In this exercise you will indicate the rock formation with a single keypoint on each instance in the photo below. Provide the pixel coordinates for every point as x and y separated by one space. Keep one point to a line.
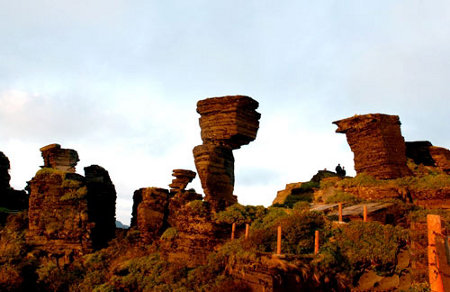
377 144
419 151
152 211
4 173
182 178
441 156
10 198
226 123
57 158
70 215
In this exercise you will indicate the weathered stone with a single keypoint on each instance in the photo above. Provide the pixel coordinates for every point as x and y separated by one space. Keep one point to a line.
226 123
70 215
441 156
230 120
215 167
182 178
419 151
58 213
284 194
322 174
152 212
4 172
377 144
58 158
101 198
10 198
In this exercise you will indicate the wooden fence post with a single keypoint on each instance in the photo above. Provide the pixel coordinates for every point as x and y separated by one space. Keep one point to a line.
246 231
434 229
316 242
233 228
340 212
365 213
279 240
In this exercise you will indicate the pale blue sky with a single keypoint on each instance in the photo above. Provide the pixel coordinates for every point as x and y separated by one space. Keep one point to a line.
119 80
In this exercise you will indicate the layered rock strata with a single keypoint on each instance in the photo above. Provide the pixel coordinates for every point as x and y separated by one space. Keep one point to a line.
182 178
152 212
226 123
69 214
377 144
58 158
441 156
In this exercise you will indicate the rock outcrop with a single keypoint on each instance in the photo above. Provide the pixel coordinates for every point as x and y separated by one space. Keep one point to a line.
58 158
226 123
69 214
152 212
10 198
377 144
419 151
182 178
441 156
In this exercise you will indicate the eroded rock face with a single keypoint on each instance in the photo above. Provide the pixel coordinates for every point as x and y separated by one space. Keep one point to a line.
231 121
152 212
441 156
69 214
10 198
58 158
4 172
101 197
377 144
182 178
215 167
419 151
226 123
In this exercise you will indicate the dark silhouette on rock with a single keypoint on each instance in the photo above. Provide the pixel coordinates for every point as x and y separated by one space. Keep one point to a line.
10 198
419 151
226 123
377 144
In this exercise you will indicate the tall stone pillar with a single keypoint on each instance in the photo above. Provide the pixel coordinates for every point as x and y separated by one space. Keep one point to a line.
226 124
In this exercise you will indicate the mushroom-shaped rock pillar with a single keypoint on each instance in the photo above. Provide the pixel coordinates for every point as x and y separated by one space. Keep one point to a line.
226 124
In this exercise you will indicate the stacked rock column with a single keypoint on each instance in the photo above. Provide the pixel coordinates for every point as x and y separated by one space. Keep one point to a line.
226 124
377 144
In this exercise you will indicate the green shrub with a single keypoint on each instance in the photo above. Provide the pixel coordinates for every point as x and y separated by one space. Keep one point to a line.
198 208
368 245
240 214
169 234
343 197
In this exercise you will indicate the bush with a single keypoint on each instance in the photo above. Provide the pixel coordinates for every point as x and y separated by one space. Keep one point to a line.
169 234
240 214
368 245
343 197
198 208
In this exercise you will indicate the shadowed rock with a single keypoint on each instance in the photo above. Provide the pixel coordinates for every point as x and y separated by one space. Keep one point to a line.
419 151
10 198
377 144
70 215
441 156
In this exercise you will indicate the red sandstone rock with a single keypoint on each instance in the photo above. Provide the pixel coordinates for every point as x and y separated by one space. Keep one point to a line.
441 156
215 167
69 214
377 144
226 123
152 213
230 120
182 178
62 159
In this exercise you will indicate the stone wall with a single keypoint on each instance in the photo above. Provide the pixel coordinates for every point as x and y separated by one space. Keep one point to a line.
377 143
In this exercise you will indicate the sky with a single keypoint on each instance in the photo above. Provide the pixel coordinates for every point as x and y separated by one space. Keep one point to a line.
118 81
